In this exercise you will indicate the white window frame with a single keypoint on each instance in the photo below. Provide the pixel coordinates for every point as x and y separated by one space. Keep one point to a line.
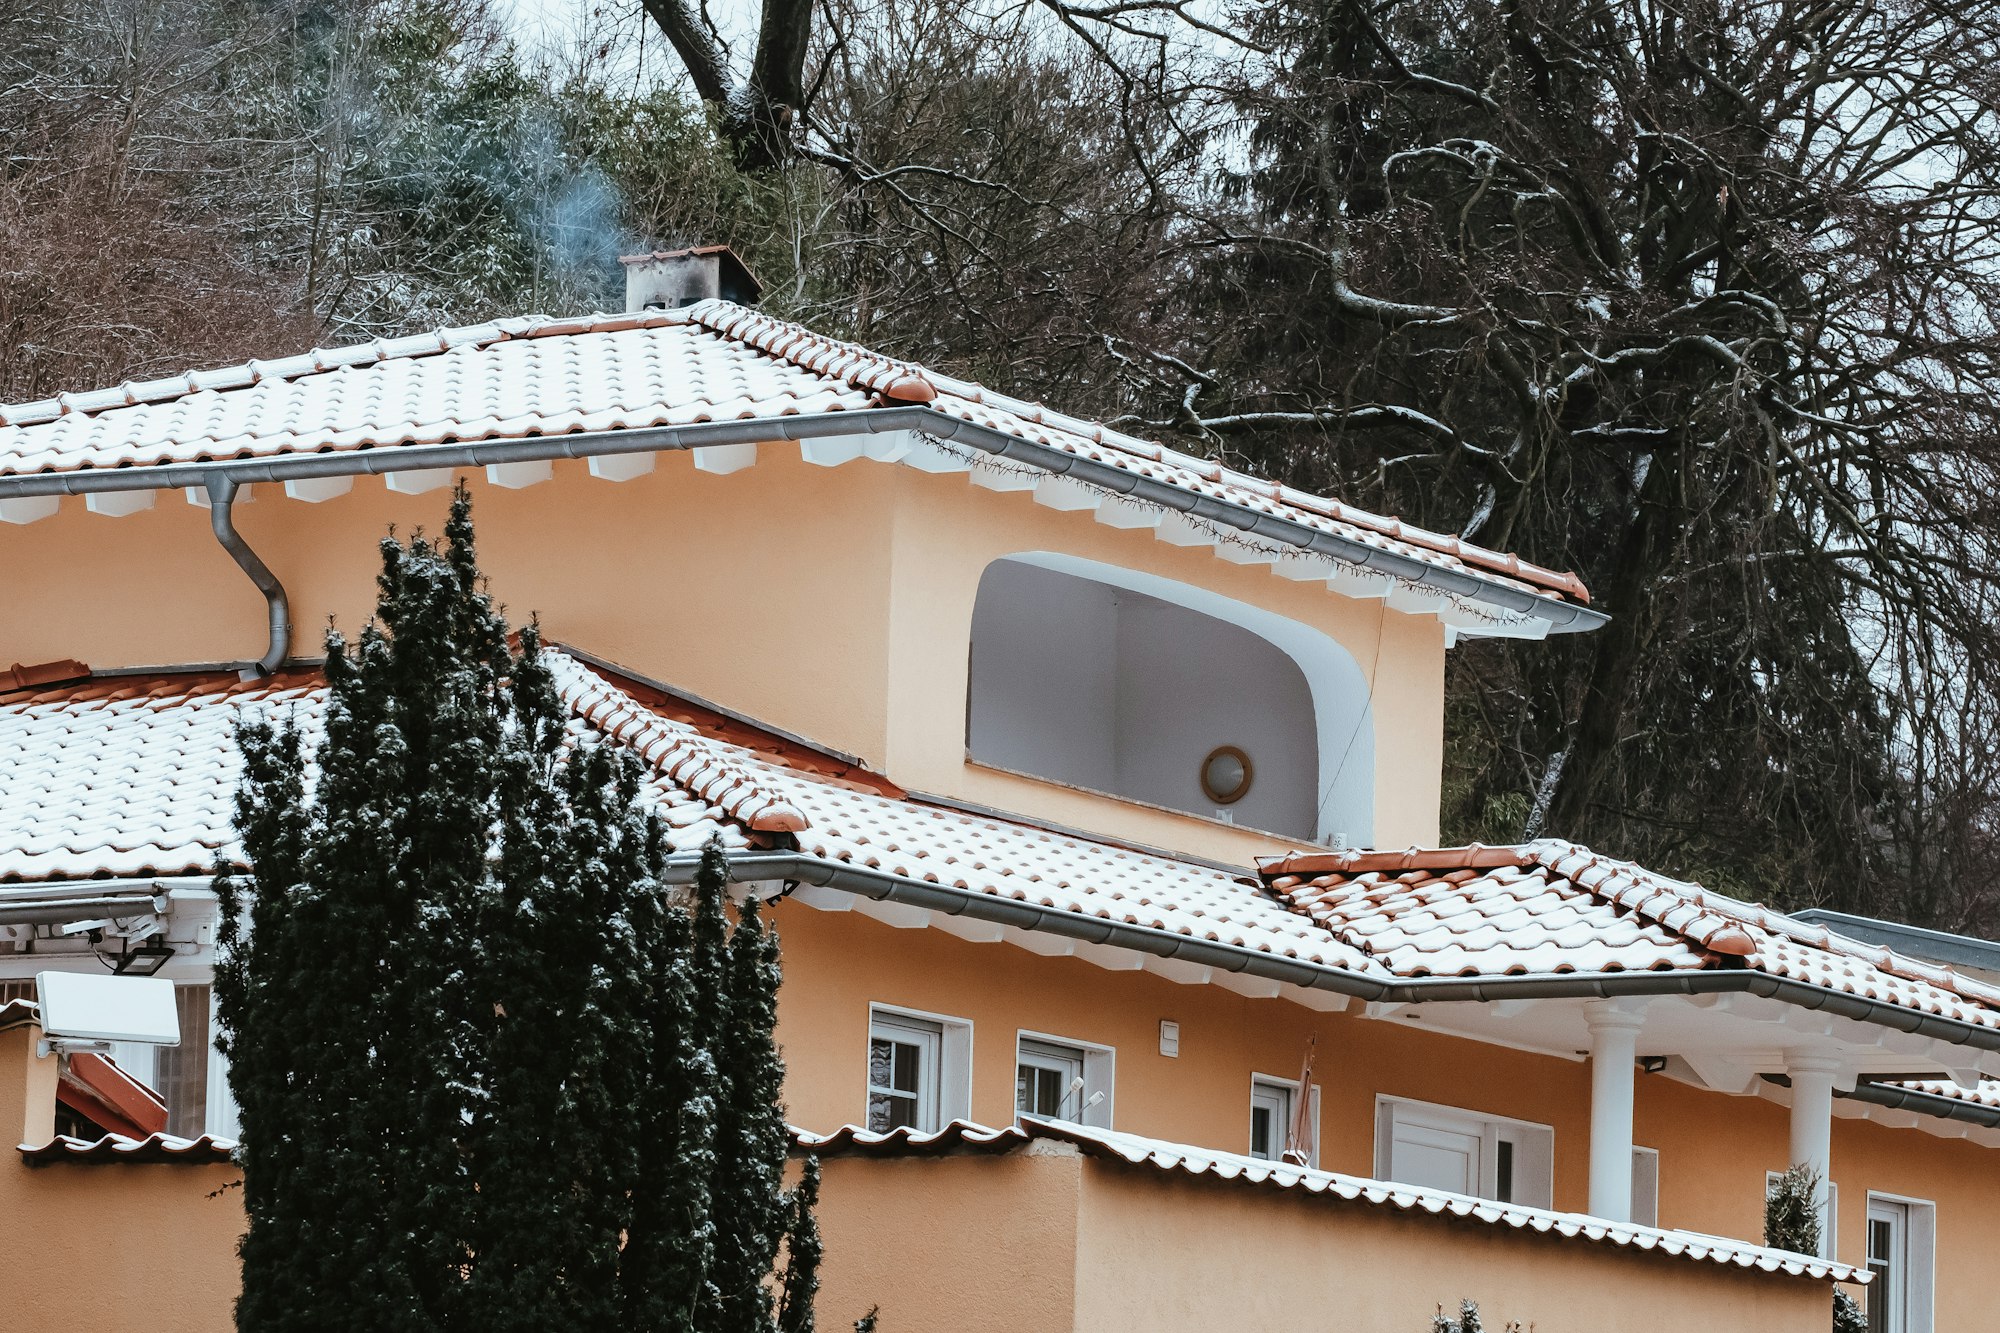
1915 1226
1645 1187
1829 1225
1095 1063
1531 1145
944 1091
1262 1088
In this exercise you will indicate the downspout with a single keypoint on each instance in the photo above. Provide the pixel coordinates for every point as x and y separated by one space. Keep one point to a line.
221 517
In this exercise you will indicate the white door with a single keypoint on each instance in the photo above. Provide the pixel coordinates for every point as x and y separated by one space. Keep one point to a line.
1889 1261
1435 1156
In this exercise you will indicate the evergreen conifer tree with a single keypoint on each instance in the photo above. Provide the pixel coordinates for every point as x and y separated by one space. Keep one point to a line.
803 1251
491 1077
751 1139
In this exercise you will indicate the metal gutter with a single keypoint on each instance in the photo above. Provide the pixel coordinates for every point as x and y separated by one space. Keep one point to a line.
1924 1103
1563 616
81 900
1935 946
93 888
884 887
221 488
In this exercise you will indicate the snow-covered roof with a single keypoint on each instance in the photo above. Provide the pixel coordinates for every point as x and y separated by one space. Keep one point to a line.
1552 908
575 380
207 1150
134 776
1985 1095
963 1136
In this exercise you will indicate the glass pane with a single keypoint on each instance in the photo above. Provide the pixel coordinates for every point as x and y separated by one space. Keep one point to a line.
881 1056
1878 1298
1503 1172
180 1073
886 1111
1039 1091
1261 1136
906 1068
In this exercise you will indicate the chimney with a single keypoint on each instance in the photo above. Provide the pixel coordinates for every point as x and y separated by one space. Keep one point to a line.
668 279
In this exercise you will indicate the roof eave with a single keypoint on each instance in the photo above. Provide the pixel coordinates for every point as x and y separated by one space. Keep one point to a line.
1563 616
883 886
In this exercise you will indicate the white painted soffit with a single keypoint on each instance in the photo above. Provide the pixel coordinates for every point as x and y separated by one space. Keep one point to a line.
416 468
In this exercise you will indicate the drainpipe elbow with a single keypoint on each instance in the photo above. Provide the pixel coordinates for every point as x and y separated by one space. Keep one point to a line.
222 519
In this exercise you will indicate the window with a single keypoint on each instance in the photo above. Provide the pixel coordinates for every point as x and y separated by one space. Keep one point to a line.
917 1070
1273 1103
180 1073
1646 1187
1902 1240
191 1078
1442 1147
1062 1080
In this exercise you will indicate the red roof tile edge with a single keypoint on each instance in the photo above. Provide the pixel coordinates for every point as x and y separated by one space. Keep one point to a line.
964 1137
1711 921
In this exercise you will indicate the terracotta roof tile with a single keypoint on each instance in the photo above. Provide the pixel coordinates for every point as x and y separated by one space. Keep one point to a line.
123 1148
136 776
713 361
1182 1159
1553 907
1987 1094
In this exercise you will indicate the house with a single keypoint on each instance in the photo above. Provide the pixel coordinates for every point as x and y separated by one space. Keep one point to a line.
1095 788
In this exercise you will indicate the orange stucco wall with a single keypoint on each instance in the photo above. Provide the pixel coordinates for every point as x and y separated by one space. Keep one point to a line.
138 1248
1714 1149
833 602
1057 1241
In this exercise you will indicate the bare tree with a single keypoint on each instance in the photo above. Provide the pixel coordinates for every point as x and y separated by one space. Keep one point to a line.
758 105
1698 299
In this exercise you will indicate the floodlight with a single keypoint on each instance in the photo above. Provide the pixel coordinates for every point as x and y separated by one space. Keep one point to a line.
145 960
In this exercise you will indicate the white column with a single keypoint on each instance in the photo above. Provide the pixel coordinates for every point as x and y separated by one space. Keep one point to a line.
1812 1123
1614 1050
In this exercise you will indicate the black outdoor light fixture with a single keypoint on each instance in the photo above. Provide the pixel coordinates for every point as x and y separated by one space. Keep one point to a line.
143 961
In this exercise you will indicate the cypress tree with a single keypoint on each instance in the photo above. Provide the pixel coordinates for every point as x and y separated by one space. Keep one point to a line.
751 1138
491 1077
803 1251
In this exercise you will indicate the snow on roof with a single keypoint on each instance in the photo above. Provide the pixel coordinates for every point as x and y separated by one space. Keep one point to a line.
1160 1155
1552 907
135 776
712 362
1986 1094
207 1150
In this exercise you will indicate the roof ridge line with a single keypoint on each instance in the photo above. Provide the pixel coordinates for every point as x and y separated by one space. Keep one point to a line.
893 380
1749 916
320 360
672 749
911 382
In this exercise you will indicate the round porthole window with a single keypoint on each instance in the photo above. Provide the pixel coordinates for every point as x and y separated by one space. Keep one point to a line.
1226 775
